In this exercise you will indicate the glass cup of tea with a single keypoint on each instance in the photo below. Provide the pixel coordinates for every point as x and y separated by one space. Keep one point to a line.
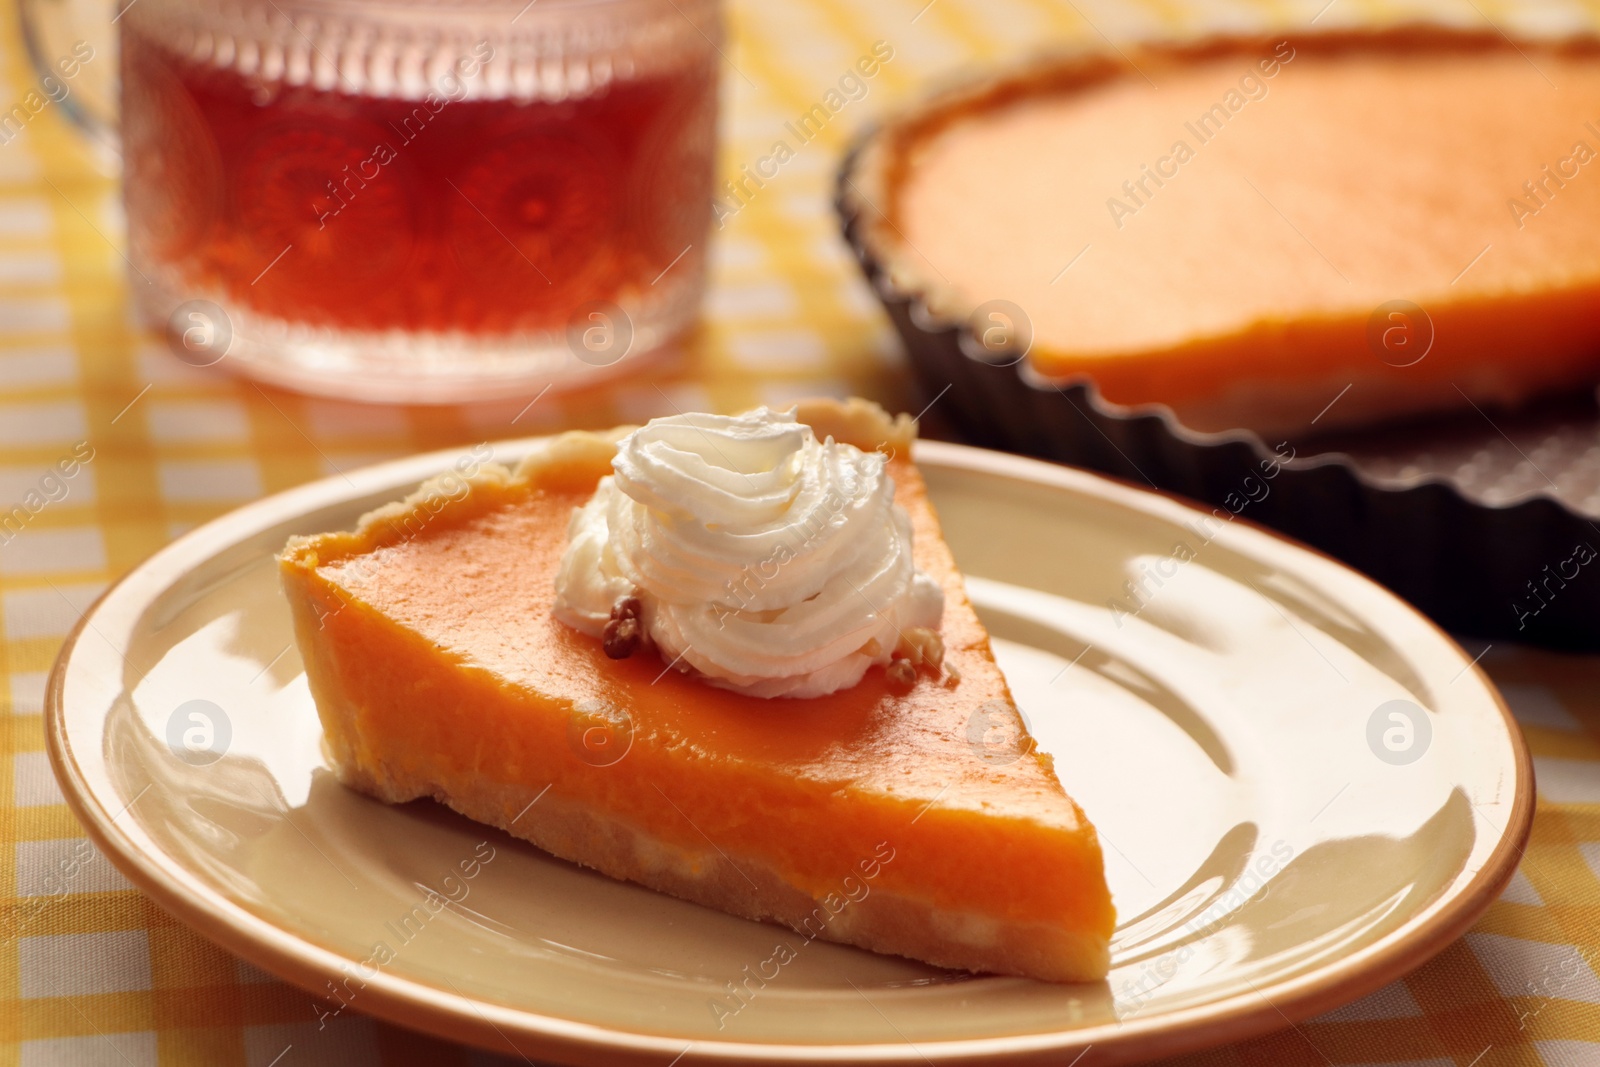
419 200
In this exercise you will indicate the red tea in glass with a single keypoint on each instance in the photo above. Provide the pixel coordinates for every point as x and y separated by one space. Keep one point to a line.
446 206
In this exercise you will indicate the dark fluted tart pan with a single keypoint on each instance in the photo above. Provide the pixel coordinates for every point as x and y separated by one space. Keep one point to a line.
1487 521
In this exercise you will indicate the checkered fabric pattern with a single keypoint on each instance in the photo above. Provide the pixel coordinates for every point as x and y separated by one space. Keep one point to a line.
92 973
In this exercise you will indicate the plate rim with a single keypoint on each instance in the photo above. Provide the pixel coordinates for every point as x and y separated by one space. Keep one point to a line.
414 1004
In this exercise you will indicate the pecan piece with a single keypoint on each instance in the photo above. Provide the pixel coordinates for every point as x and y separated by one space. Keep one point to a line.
902 676
923 647
621 637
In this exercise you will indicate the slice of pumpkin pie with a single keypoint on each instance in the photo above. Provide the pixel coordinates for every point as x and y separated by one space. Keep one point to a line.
732 660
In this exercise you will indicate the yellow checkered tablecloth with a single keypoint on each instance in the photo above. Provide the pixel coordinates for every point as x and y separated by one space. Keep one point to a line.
92 973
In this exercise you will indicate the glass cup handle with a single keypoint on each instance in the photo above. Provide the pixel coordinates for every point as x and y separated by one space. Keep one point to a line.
73 48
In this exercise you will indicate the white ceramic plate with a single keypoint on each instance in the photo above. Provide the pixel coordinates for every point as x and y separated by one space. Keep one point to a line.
1304 790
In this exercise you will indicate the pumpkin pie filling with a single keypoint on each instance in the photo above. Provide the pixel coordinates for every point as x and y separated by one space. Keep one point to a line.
1242 230
922 822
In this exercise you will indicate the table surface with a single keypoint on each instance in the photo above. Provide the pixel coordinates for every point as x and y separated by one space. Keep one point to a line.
99 975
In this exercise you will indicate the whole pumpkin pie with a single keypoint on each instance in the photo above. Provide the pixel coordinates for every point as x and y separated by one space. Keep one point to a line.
730 659
1272 233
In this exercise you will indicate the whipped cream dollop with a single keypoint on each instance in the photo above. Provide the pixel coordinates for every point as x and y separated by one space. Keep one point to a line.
764 559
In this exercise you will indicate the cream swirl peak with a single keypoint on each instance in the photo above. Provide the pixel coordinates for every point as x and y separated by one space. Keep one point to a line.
768 561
